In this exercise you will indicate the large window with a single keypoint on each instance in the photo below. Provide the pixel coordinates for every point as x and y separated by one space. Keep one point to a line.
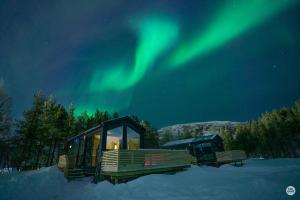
92 147
133 139
80 152
114 138
96 145
88 150
205 148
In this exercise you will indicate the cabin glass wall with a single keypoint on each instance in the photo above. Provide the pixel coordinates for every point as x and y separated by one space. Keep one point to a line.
133 139
114 138
92 146
205 148
219 145
88 150
95 148
80 154
204 152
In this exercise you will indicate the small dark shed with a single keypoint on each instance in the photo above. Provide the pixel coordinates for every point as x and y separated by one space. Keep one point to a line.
202 147
120 133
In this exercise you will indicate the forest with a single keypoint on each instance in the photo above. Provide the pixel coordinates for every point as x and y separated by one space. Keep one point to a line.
37 139
275 134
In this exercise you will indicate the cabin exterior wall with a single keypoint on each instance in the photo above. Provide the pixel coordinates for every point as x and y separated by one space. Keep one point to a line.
86 150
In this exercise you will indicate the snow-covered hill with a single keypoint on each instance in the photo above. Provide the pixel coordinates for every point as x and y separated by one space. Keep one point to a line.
200 128
258 179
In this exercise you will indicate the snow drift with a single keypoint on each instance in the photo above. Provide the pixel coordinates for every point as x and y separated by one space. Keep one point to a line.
258 179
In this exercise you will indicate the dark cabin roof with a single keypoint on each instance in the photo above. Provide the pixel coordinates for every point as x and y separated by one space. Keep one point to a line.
202 138
109 123
179 142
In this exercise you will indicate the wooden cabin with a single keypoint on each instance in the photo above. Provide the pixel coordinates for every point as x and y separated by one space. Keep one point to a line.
115 150
202 147
116 134
208 149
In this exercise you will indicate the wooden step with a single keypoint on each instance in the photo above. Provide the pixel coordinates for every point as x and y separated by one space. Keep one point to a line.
75 176
75 173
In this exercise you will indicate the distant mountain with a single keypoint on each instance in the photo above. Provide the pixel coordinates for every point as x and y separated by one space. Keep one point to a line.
199 128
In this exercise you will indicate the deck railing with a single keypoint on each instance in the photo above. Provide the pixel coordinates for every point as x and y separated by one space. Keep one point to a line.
143 159
230 156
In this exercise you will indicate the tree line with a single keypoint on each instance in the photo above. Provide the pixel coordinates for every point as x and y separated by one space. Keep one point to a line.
274 134
38 137
169 136
5 124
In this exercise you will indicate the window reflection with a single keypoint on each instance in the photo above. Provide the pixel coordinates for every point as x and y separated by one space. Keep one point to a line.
80 152
92 147
96 144
133 139
88 157
114 138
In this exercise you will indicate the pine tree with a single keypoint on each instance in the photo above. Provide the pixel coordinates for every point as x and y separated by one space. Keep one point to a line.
71 127
82 122
228 140
167 136
5 106
5 125
31 128
151 138
115 115
186 133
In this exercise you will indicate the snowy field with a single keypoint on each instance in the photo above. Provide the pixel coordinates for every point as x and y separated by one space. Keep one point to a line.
258 179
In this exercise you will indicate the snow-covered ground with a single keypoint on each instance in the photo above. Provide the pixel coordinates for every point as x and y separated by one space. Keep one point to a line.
258 179
6 170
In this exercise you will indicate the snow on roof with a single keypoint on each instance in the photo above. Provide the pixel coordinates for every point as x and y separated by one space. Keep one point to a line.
205 137
190 140
178 142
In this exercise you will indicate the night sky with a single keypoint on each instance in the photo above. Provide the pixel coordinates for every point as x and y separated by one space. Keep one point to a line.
167 61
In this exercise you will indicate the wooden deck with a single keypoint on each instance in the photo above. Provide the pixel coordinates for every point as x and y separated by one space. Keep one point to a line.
230 156
131 163
126 164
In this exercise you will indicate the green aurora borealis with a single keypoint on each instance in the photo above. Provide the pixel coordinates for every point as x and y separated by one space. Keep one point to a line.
156 35
204 59
234 18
